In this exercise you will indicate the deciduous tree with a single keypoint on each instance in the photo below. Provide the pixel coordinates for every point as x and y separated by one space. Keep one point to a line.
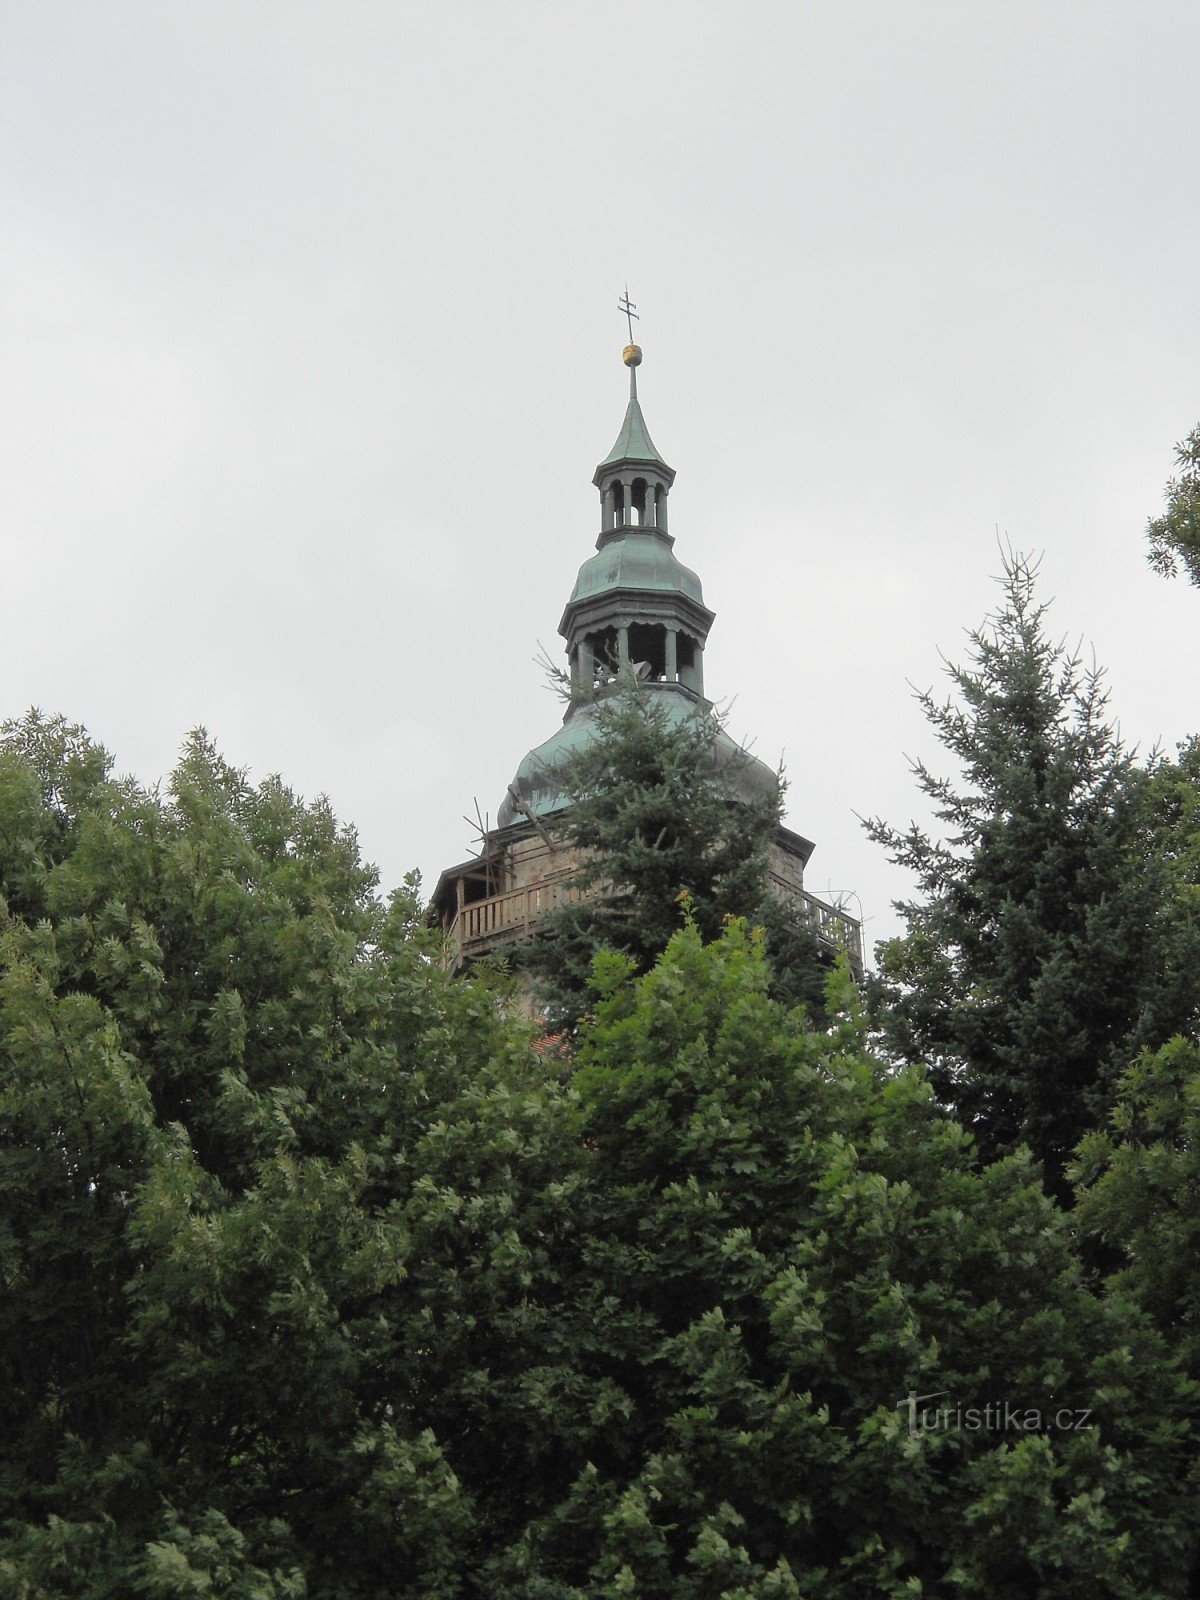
220 1056
1175 535
779 1241
1140 1189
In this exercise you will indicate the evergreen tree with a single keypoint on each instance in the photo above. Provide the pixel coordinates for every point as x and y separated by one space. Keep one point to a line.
652 815
1175 536
1043 951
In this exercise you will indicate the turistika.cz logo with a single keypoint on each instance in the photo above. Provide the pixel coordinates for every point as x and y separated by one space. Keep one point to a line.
996 1416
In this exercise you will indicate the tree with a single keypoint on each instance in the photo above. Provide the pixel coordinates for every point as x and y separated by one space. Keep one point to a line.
1139 1172
1175 536
220 1054
777 1241
320 1280
651 813
1043 952
1139 1180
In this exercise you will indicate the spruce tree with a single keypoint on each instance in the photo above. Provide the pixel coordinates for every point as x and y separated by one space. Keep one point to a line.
652 816
1041 952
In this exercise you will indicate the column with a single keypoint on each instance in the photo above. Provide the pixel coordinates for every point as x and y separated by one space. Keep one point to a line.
672 665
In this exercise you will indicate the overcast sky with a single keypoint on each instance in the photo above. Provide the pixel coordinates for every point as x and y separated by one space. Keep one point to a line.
310 348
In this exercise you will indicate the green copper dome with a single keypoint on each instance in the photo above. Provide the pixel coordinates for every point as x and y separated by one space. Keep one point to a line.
534 790
635 560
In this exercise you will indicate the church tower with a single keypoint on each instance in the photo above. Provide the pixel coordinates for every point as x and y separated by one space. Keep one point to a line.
635 608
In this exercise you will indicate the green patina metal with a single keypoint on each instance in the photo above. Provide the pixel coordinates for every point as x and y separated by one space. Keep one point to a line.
634 587
634 444
536 782
636 560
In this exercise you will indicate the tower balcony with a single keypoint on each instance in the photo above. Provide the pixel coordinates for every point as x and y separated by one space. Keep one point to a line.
836 930
490 925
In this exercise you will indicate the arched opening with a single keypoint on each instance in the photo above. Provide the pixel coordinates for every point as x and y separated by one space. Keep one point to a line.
648 651
637 496
618 494
603 645
687 661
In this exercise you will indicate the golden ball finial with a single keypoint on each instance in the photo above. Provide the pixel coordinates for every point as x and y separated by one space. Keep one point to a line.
632 355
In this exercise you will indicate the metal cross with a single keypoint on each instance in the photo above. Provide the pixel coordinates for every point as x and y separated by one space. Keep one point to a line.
630 309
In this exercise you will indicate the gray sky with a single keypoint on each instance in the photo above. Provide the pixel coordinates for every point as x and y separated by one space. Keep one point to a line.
310 347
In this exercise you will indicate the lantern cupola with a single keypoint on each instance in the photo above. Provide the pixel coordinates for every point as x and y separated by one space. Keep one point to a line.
633 479
634 604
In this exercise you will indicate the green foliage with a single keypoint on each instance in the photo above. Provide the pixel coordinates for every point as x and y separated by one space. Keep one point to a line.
779 1241
651 811
1175 536
319 1280
220 1058
1140 1190
1046 947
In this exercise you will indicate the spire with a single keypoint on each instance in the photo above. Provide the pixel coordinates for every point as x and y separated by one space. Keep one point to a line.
634 448
633 442
635 606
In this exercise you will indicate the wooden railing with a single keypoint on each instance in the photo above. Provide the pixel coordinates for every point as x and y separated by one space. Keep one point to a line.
832 926
514 914
510 915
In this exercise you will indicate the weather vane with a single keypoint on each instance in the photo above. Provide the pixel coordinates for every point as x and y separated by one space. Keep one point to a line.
630 309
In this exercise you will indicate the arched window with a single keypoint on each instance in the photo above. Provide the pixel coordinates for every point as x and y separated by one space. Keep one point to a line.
648 651
604 648
637 495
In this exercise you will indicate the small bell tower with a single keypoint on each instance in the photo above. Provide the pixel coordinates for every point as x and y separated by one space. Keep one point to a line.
633 479
635 606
